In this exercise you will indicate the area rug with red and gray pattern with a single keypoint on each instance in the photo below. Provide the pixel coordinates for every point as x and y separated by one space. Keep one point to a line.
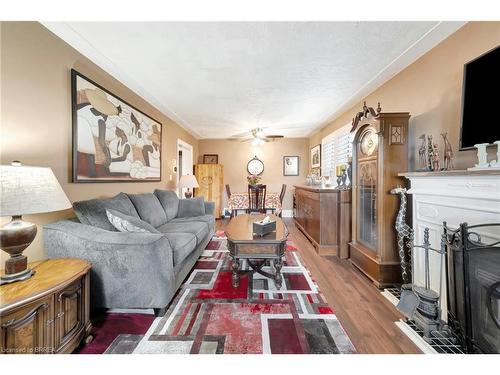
209 316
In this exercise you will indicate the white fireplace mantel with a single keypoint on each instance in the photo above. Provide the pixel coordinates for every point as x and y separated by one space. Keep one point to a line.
453 197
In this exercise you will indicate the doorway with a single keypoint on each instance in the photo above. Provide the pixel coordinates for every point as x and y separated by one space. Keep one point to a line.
184 162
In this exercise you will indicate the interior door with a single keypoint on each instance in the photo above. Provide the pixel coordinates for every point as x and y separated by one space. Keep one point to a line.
184 162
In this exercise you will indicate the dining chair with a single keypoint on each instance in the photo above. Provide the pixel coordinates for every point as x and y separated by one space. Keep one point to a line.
256 199
228 192
282 196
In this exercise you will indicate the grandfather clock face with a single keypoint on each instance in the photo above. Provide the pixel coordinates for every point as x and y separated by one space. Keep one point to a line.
368 143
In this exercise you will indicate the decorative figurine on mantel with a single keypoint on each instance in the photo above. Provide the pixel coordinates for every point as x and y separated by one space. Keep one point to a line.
430 153
435 158
422 163
448 153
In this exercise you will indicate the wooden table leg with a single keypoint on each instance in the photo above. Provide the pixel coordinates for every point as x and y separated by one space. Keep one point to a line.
236 274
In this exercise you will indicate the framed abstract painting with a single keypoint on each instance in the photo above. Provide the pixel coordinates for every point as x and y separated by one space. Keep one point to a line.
112 140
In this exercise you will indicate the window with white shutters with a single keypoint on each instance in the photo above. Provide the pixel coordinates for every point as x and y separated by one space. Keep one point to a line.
336 148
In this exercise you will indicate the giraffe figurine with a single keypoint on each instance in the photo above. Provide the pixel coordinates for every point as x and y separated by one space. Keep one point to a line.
404 231
430 152
448 153
421 154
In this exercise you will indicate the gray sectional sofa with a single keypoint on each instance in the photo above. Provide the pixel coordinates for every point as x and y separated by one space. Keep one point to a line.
141 269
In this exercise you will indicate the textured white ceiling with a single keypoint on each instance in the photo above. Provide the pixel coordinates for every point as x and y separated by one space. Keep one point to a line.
219 79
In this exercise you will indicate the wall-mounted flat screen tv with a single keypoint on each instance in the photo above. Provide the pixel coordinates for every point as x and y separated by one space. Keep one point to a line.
481 100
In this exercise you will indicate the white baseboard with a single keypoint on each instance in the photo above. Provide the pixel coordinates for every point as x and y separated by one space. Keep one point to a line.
390 297
413 336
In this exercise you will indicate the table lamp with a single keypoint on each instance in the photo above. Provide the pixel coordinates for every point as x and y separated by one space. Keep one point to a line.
25 190
188 181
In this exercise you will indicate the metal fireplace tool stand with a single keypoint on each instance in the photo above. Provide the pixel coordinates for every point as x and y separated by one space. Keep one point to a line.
421 303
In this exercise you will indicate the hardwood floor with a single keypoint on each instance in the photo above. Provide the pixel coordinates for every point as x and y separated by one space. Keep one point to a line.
365 314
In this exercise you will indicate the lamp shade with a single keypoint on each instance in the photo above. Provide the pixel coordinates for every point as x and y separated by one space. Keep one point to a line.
30 190
188 181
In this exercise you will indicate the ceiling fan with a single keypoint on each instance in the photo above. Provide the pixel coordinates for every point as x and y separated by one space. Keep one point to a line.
257 136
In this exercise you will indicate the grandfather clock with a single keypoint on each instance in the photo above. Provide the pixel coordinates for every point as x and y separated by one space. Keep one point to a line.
380 152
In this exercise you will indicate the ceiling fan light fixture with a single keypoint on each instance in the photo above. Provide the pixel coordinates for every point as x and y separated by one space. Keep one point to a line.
256 141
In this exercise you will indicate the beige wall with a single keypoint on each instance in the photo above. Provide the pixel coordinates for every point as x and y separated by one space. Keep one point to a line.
431 90
36 112
36 115
234 155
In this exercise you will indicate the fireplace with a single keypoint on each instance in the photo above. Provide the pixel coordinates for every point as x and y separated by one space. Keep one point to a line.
473 285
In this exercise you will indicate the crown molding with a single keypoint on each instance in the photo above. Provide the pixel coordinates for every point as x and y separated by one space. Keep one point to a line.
425 43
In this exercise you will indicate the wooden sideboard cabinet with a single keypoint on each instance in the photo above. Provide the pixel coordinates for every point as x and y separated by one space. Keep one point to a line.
48 313
324 216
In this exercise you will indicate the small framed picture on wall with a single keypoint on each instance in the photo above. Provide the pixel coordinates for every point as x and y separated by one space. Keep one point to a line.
290 165
210 159
315 161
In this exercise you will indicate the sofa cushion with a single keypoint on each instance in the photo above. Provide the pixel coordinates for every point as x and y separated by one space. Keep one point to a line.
209 219
149 208
169 201
127 223
182 245
191 207
198 228
93 211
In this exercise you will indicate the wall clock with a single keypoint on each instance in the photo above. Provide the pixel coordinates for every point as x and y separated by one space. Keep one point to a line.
255 166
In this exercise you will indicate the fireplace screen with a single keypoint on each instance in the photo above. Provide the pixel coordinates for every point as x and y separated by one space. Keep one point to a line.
474 286
484 281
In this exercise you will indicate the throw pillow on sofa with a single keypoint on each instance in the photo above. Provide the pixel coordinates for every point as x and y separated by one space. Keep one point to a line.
126 223
191 207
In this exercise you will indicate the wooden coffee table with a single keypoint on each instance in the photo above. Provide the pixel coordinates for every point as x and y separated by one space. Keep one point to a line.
243 244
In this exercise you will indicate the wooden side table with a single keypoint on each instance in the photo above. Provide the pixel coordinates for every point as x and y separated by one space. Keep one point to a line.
48 313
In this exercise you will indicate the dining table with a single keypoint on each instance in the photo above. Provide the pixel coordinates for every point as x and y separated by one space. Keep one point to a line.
239 201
